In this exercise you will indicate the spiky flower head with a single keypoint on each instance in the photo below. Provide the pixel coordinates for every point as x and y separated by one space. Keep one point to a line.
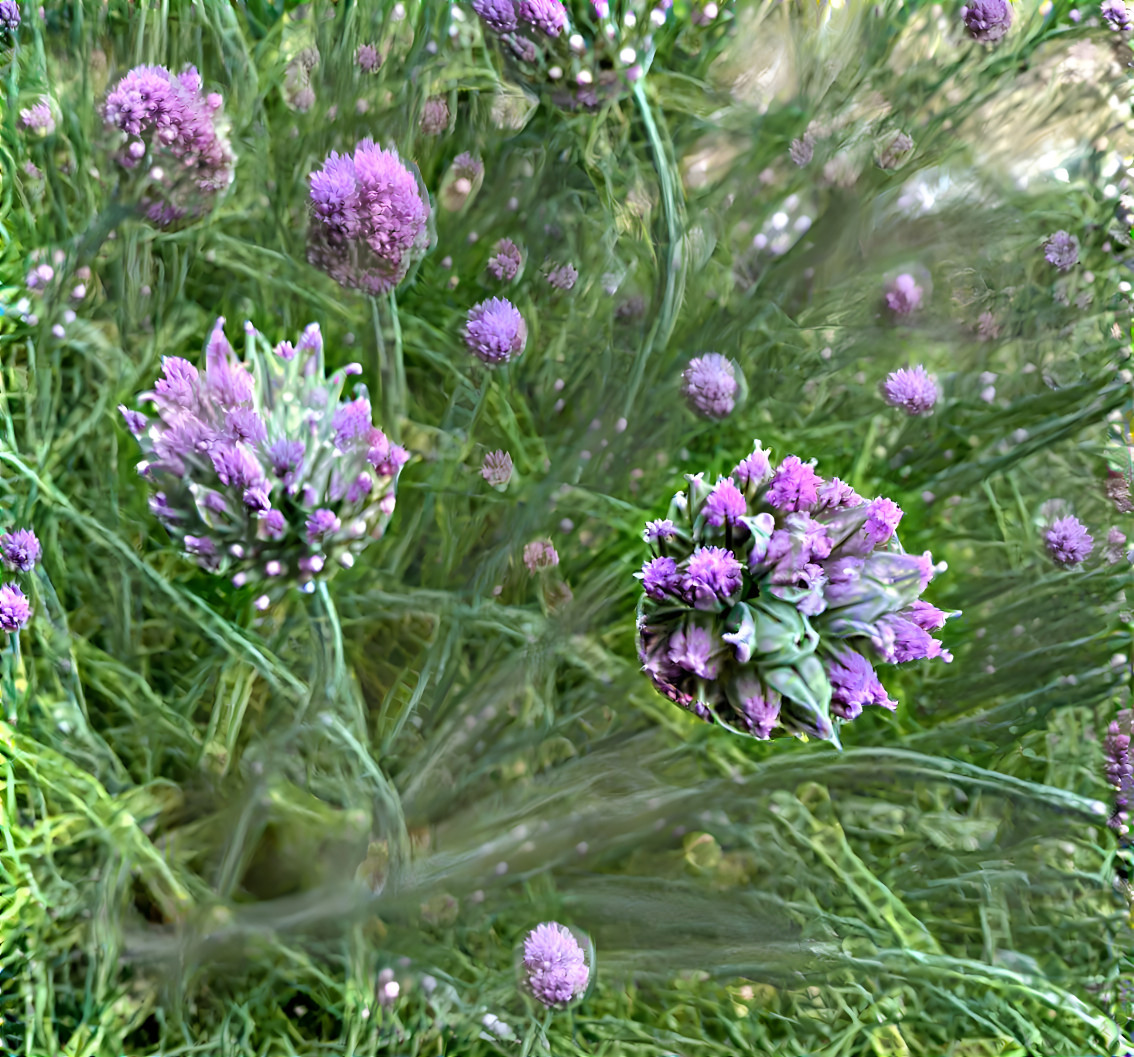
555 968
563 277
367 58
172 141
20 550
546 16
38 118
260 469
1062 250
9 16
370 218
912 389
1116 15
987 20
15 609
497 469
506 260
710 385
903 295
1068 542
497 15
540 555
1118 767
769 601
495 331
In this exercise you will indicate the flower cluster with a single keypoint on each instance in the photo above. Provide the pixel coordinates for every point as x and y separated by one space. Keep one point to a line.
173 137
495 331
38 118
771 593
555 966
506 260
9 15
511 17
370 218
1068 542
1116 15
259 468
903 295
20 552
1062 250
1119 767
710 385
987 21
912 389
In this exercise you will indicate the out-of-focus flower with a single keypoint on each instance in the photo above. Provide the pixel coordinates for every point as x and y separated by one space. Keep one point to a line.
903 295
912 389
548 16
506 260
15 609
38 118
540 555
563 277
1118 767
710 385
1116 15
367 58
1062 250
767 602
555 968
987 327
9 16
259 469
435 116
497 15
370 219
297 90
1118 492
20 549
895 152
497 469
1115 551
462 181
173 139
987 20
802 150
495 331
1068 542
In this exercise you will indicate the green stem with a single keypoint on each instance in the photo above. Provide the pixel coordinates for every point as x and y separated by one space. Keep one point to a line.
389 369
337 676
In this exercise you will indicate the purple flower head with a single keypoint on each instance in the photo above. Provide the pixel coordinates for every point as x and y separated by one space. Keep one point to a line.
203 549
882 517
925 616
712 576
243 424
662 529
660 578
710 385
540 555
725 504
692 648
495 331
9 15
497 468
903 295
1115 546
795 486
178 388
236 466
1062 250
836 495
275 525
1116 15
498 15
899 639
753 470
385 456
285 457
854 685
506 259
20 549
351 423
468 166
987 20
759 706
435 116
563 277
136 422
912 389
1118 762
546 15
1068 542
38 117
334 198
555 968
227 381
321 524
15 609
367 58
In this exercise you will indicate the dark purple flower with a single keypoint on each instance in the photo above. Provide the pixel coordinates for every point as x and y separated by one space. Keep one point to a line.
540 555
505 261
495 331
912 389
795 486
1062 250
854 685
987 20
1068 542
1115 15
203 549
753 470
367 58
710 385
15 609
692 648
662 529
9 15
903 295
563 277
546 15
321 524
555 968
136 422
660 578
497 468
725 504
1118 762
20 549
351 423
498 15
712 576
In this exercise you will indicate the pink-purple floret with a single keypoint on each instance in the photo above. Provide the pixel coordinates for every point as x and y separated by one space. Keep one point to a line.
555 966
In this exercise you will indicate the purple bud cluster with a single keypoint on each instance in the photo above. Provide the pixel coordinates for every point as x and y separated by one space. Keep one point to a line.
260 469
554 965
173 140
772 593
987 21
1062 250
506 17
1119 769
20 551
369 219
710 385
9 16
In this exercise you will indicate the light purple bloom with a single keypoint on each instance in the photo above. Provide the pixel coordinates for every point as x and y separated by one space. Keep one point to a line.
1116 15
178 388
540 555
243 424
20 549
759 705
987 20
505 262
285 456
1062 250
899 639
912 389
662 529
712 576
795 486
834 494
882 517
9 15
435 116
498 15
367 58
497 468
1068 542
660 578
903 295
926 616
710 385
1118 766
136 422
236 466
351 423
321 524
15 609
385 456
495 331
555 967
1115 546
563 277
854 685
754 470
546 15
38 117
692 649
725 504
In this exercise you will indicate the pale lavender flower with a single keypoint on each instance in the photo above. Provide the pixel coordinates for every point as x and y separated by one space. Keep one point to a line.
352 423
15 609
38 118
468 166
660 578
321 524
555 967
136 422
367 58
854 685
1116 15
497 468
712 576
546 15
1062 250
725 504
903 295
834 494
912 389
563 277
498 15
20 550
1068 542
987 20
495 331
540 555
710 385
692 648
435 116
759 706
1115 551
662 529
882 517
754 470
795 486
505 261
9 15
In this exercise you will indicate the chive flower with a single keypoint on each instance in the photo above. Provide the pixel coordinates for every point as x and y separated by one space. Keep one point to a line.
912 389
555 969
987 21
710 385
1062 250
1067 541
495 331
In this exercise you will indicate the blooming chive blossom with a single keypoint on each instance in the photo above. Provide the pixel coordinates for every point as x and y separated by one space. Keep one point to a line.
1062 250
540 555
505 261
903 295
20 549
710 385
370 219
987 21
912 389
555 967
15 609
38 118
498 15
367 58
266 474
497 468
777 631
1118 767
563 277
495 331
1116 15
1068 542
173 139
9 15
547 16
